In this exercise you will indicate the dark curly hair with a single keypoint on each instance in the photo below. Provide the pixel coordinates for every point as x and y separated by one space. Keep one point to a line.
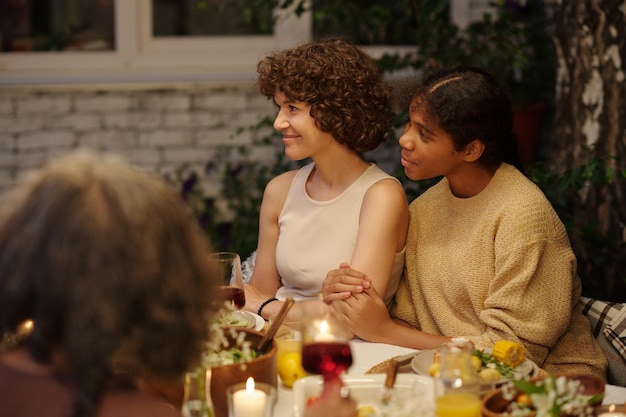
107 263
468 103
345 89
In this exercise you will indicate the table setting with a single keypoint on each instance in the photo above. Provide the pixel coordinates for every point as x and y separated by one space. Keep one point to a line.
365 379
367 356
277 370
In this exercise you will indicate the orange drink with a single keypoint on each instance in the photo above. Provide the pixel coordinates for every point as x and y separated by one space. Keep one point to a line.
457 405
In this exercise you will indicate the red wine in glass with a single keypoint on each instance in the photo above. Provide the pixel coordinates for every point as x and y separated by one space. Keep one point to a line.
234 295
327 358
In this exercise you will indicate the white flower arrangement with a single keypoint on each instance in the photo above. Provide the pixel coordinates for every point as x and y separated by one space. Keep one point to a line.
550 397
219 350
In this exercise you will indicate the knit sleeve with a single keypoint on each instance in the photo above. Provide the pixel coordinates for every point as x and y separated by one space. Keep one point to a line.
534 287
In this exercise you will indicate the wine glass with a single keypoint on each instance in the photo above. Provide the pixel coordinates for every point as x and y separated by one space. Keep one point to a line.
228 266
325 342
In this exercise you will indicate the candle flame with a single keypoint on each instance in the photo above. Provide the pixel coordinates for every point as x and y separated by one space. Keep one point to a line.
324 326
250 385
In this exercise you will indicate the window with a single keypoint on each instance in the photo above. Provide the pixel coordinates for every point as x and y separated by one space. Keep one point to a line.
136 54
56 25
175 40
211 18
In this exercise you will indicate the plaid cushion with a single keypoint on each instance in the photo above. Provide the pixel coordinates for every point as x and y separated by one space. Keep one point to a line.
608 324
608 318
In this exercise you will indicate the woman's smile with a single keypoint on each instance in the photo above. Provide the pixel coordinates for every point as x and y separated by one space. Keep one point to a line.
287 139
406 162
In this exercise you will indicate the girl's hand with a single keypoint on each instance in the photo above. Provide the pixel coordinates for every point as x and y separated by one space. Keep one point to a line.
367 315
341 283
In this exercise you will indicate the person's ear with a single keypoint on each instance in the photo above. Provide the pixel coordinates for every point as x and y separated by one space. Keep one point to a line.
474 150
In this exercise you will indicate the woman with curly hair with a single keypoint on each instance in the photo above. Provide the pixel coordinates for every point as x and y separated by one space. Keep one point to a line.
339 210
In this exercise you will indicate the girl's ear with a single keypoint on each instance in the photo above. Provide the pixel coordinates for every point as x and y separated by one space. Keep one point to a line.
474 150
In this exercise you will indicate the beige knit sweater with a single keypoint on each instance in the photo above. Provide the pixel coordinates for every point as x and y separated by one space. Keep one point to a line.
498 265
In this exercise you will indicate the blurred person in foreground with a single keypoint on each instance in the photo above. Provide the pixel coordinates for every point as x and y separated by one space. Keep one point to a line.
487 256
113 275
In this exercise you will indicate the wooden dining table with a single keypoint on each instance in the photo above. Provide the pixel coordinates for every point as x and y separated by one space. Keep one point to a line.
366 355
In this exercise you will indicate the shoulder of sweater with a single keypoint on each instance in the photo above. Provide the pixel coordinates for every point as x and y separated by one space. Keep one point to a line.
513 187
431 194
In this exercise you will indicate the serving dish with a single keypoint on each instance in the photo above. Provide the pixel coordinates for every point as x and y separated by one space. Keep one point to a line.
422 361
367 390
495 405
262 369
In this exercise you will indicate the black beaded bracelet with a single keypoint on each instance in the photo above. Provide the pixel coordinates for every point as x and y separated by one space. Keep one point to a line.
266 302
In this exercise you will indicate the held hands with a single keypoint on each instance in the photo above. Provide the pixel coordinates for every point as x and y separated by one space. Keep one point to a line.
367 315
351 292
343 282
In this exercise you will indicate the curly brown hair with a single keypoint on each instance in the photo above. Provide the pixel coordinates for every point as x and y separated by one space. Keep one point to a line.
345 89
107 263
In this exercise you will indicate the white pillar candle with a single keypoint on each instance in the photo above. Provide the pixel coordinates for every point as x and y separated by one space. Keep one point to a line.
249 402
324 334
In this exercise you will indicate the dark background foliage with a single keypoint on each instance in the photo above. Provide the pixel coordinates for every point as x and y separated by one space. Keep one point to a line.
515 43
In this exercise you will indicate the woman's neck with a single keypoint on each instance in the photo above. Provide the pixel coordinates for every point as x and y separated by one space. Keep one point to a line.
333 175
471 180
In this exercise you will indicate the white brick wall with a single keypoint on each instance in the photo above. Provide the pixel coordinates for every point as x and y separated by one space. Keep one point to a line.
158 128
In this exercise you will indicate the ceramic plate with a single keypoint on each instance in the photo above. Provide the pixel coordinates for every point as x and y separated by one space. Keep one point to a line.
422 361
242 318
259 322
410 390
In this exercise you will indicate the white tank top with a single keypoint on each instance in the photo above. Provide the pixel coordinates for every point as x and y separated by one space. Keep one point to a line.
316 236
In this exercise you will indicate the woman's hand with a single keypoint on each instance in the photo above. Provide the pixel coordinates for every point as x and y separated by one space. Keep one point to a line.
367 315
340 283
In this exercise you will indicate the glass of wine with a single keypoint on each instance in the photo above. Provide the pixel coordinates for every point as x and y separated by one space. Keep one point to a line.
228 266
325 342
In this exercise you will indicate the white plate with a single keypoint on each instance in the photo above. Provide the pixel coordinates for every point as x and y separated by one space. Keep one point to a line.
259 322
245 319
422 361
256 322
368 389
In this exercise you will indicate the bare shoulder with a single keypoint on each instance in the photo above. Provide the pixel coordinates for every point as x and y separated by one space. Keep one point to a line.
387 191
280 184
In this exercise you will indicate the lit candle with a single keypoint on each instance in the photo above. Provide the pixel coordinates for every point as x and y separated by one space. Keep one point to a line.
249 402
324 335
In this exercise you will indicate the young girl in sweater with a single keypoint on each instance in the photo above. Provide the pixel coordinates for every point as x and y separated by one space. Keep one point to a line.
487 257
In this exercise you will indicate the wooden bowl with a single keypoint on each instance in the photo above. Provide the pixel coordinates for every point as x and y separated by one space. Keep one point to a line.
261 368
494 404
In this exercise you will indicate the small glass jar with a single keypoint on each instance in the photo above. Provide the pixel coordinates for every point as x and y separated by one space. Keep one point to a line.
457 389
196 403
